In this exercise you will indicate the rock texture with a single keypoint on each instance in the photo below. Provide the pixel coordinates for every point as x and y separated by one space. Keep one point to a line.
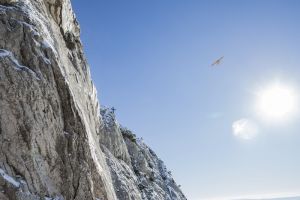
54 142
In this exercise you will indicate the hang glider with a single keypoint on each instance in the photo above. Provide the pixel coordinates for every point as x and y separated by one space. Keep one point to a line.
217 62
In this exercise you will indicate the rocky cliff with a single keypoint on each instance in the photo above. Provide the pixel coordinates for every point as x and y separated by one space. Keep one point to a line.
55 143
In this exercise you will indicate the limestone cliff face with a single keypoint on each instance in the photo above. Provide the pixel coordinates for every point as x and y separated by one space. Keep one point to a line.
54 143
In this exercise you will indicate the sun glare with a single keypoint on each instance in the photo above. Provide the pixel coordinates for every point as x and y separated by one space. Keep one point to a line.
276 102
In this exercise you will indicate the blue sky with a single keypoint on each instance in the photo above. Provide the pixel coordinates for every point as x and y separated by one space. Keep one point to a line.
151 60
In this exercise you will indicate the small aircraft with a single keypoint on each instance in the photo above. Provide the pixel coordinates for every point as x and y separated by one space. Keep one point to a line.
217 62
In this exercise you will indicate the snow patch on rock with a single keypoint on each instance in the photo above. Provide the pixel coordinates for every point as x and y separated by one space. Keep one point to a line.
8 54
9 179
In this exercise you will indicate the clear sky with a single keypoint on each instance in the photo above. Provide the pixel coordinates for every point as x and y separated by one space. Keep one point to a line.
150 59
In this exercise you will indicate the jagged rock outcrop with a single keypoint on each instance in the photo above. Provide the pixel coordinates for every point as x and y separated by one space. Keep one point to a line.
146 176
54 144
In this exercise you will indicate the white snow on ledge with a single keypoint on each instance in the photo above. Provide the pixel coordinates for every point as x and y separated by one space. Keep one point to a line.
55 198
9 179
4 53
8 54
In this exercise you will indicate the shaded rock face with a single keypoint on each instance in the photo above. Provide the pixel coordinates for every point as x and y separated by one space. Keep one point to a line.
54 143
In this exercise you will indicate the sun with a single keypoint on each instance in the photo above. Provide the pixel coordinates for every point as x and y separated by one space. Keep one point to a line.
276 102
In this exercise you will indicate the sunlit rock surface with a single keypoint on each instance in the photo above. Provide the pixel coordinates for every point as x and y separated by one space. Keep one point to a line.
55 144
